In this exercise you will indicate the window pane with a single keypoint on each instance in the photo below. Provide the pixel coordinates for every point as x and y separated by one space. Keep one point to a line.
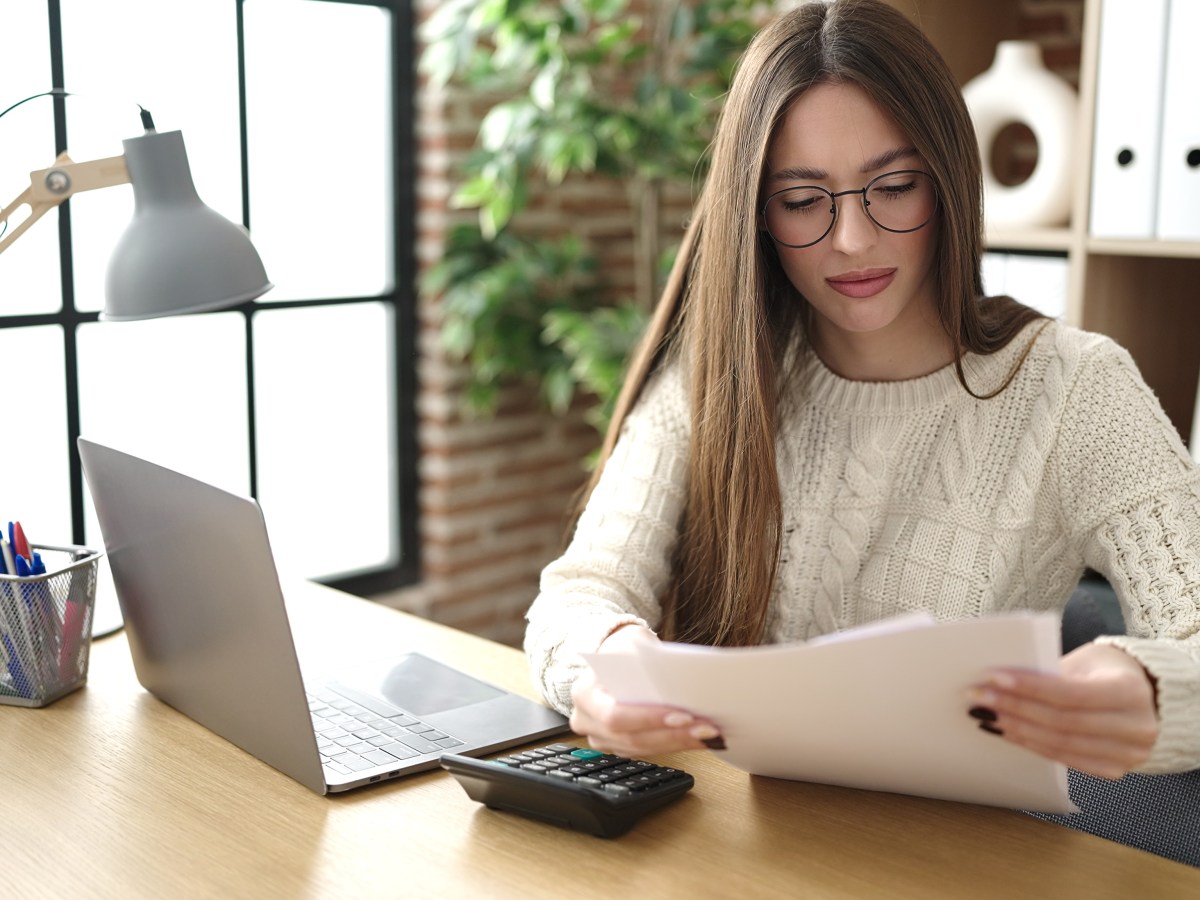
122 53
35 488
172 390
318 105
29 276
325 436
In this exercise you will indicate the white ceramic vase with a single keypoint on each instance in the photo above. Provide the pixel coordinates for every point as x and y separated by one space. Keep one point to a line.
1019 89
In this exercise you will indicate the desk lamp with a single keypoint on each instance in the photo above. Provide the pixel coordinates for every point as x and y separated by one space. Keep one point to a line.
177 255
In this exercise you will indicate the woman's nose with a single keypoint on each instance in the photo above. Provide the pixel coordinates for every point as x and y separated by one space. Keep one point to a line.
853 229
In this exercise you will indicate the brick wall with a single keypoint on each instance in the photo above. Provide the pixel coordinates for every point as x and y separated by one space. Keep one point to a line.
494 492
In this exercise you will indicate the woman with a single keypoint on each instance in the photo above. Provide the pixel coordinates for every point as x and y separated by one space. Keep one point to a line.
827 424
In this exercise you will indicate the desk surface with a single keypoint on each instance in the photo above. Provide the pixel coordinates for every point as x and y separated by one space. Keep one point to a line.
110 793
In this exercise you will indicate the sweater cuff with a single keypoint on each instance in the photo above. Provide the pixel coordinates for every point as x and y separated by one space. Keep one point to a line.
1177 748
557 670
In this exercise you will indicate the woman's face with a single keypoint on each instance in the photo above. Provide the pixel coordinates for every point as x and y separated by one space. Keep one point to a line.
866 285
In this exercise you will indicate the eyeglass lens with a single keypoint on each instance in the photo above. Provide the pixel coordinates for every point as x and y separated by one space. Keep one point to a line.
897 201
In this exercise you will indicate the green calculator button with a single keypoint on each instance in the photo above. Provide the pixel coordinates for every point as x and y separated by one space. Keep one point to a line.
586 753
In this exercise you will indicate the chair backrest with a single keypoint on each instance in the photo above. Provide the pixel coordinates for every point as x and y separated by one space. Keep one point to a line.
1156 813
1091 611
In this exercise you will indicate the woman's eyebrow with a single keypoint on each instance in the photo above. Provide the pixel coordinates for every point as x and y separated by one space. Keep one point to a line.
810 173
887 158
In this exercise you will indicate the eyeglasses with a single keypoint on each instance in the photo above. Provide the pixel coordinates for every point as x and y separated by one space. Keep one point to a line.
900 202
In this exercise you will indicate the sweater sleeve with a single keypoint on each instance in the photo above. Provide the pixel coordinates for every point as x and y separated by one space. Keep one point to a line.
619 560
1133 494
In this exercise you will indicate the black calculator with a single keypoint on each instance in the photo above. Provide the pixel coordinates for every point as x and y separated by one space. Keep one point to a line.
572 787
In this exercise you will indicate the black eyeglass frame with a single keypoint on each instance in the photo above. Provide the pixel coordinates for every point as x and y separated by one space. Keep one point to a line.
865 203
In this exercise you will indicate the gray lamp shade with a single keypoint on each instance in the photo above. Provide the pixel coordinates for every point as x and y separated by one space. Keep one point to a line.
177 255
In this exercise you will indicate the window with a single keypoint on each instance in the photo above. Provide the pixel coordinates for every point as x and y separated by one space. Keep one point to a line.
297 119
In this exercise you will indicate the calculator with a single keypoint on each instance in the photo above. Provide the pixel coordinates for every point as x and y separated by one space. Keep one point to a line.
570 786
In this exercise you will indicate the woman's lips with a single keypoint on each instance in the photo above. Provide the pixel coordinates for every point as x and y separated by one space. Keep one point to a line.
866 283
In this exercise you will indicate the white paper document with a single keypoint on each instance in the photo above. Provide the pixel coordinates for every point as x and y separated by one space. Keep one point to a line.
881 708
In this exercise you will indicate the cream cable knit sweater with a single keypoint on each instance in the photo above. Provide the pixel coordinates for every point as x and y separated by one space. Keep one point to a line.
913 495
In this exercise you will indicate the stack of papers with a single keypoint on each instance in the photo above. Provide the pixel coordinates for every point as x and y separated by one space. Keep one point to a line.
881 708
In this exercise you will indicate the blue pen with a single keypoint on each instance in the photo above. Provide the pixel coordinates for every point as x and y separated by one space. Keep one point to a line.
6 687
19 681
42 623
16 680
19 619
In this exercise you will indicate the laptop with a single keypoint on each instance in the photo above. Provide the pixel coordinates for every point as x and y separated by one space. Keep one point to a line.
209 635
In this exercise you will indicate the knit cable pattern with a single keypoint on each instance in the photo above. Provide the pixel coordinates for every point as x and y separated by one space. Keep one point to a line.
849 534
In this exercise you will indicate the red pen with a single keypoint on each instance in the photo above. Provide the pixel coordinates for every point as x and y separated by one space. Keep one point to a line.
20 544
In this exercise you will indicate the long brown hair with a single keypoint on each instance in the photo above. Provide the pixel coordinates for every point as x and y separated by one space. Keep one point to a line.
730 313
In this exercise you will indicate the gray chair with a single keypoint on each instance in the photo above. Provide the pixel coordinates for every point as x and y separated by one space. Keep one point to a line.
1092 610
1156 813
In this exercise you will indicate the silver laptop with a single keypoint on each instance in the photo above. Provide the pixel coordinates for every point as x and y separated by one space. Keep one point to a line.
209 635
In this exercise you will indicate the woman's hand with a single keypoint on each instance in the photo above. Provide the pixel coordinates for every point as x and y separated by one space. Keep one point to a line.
1097 715
634 729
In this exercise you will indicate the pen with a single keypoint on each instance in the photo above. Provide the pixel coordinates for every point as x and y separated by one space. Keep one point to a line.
20 682
10 566
18 540
4 660
42 619
22 627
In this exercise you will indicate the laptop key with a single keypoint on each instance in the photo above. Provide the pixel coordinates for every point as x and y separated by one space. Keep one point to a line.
400 751
418 743
377 706
380 757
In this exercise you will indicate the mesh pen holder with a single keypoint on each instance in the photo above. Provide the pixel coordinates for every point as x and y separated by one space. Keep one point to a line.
46 627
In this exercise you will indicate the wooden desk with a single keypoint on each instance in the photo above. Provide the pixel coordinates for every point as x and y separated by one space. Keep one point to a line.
110 793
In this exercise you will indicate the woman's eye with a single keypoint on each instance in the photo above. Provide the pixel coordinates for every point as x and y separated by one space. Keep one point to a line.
804 203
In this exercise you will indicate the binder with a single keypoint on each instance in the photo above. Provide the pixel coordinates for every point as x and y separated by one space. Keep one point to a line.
1129 93
1179 159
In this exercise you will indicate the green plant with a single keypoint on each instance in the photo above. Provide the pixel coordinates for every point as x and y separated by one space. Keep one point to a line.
624 89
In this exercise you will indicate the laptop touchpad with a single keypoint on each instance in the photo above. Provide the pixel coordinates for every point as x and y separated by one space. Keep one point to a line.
422 686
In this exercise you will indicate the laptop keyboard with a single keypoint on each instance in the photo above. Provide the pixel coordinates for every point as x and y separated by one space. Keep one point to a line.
352 738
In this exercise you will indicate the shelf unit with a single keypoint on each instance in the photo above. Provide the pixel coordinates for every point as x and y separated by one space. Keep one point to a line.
1143 294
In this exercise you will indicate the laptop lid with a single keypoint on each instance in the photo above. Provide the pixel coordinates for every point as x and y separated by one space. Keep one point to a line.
209 634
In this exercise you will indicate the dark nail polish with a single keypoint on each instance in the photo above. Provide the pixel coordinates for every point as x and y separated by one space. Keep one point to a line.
983 713
990 728
717 743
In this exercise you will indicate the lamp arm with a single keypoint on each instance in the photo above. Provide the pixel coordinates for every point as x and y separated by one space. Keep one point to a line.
50 187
